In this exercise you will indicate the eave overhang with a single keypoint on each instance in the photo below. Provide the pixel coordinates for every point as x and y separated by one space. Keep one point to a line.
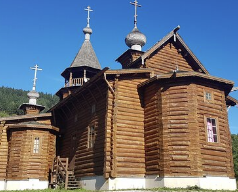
32 126
27 117
190 77
100 75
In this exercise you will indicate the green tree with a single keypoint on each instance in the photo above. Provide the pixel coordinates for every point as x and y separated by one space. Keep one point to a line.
11 99
235 153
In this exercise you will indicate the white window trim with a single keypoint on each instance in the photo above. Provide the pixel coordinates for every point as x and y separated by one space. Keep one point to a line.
209 130
36 145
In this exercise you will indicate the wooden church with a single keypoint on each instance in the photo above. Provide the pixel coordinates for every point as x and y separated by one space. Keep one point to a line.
160 121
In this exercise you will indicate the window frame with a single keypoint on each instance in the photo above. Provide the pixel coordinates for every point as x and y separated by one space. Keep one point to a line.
206 92
91 136
36 144
210 136
93 108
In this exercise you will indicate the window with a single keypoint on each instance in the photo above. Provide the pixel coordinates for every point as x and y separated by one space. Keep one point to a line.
91 136
93 108
76 118
36 146
208 96
212 130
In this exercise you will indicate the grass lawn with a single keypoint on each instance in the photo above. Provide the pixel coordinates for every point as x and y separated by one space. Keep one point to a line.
189 189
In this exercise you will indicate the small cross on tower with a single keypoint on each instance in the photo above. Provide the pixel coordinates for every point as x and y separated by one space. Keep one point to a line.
36 68
135 3
88 9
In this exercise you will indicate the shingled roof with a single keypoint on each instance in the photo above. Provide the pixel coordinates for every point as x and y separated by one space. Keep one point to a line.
86 57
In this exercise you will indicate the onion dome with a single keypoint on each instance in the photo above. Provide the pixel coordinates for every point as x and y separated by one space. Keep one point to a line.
33 96
87 31
135 39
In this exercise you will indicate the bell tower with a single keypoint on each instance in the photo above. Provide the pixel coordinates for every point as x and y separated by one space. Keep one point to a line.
84 66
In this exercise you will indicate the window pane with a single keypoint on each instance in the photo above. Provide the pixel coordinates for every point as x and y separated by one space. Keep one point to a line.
215 138
213 122
214 130
208 96
208 120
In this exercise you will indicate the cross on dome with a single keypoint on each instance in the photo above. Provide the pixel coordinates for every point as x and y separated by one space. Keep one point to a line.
88 18
135 3
36 68
135 39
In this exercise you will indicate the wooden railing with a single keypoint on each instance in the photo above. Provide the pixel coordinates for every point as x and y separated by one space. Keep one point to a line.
76 82
59 172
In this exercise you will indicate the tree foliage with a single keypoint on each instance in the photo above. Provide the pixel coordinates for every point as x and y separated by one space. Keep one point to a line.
11 99
235 153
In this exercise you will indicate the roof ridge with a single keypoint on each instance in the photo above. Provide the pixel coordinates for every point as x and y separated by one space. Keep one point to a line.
164 40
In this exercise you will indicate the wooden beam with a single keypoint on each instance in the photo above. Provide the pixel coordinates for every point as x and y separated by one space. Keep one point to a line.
114 128
109 86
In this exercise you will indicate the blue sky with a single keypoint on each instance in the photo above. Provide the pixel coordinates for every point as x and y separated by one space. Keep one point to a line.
49 33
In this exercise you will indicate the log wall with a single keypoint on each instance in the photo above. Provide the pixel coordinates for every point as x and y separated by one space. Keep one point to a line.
22 162
153 130
216 157
125 154
166 59
175 131
78 117
3 151
180 134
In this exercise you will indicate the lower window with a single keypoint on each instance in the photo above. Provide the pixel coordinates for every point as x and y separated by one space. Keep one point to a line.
36 146
91 136
212 130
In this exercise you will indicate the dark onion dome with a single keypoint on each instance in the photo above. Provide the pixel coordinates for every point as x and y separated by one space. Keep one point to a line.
135 39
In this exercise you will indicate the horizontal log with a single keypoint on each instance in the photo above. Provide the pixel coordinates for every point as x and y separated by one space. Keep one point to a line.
131 171
124 150
130 134
129 142
127 123
214 148
138 114
130 138
139 129
132 154
134 147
